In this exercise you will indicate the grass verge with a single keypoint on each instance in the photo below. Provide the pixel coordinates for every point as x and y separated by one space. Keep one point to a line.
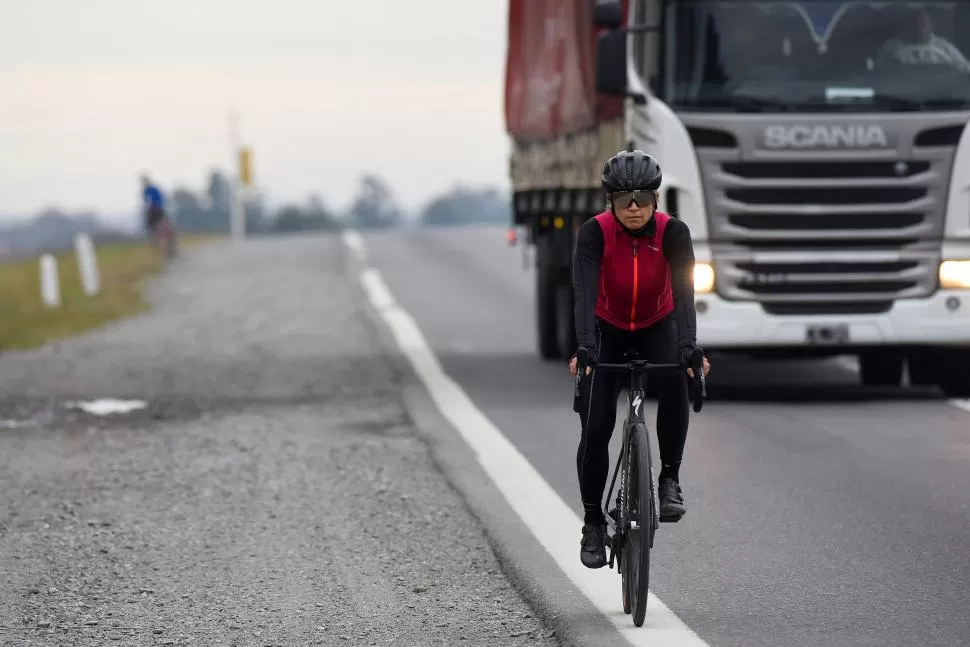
25 322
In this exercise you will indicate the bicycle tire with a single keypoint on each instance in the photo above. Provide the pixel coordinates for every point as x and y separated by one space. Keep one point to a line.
625 589
622 535
639 509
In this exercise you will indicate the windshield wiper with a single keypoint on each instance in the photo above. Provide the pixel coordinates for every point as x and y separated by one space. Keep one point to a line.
745 103
898 102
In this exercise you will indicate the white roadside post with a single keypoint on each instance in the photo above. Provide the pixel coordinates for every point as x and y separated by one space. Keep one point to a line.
87 262
50 285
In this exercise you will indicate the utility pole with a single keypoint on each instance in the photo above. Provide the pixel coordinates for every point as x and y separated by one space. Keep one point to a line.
237 216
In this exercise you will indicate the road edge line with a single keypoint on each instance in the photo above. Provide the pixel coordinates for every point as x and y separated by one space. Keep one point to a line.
556 601
443 396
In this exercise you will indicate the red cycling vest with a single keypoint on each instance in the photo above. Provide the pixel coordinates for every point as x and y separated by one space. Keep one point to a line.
635 290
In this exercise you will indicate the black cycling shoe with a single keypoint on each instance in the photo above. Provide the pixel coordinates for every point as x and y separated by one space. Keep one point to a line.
593 551
672 506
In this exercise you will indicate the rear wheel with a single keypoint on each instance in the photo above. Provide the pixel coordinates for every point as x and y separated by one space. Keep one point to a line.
640 516
881 367
954 372
547 319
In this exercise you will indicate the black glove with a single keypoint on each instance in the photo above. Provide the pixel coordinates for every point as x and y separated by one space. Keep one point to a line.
586 356
693 357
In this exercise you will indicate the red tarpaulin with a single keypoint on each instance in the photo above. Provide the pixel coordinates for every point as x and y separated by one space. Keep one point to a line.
550 85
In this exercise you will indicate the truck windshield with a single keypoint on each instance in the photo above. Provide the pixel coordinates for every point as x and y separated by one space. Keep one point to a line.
811 55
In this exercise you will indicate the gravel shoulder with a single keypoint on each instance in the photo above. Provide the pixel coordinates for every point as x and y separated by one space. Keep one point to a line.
273 492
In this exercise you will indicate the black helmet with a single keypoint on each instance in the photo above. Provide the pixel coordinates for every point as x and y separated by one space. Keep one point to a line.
630 171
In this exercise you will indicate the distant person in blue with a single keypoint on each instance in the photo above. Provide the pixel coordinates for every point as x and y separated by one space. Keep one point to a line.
154 203
159 227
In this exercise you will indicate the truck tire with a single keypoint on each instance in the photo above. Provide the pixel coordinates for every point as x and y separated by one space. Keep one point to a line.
547 315
954 372
565 319
881 367
922 366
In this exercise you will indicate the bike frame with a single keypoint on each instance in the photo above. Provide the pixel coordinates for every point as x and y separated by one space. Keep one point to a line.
636 395
164 237
635 593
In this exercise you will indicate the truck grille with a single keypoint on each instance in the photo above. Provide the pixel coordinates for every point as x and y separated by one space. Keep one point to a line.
826 236
851 278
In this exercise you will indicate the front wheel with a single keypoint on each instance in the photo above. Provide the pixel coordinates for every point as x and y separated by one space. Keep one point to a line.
881 367
954 368
641 519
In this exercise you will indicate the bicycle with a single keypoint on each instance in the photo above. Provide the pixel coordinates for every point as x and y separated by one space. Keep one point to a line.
628 547
164 237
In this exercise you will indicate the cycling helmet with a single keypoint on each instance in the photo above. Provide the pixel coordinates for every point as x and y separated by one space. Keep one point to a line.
631 171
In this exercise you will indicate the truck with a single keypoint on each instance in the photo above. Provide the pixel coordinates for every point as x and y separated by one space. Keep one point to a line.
818 151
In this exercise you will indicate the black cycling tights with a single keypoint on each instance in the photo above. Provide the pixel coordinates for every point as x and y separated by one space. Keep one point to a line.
597 406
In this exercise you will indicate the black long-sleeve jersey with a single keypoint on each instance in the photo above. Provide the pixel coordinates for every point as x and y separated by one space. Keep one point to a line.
677 248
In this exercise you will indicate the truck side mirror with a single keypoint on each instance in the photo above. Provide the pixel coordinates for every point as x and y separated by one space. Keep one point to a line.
611 63
608 14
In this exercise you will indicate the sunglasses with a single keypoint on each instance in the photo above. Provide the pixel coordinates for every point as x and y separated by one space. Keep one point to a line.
624 199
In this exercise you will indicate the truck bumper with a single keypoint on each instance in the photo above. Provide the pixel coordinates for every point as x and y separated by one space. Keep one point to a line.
732 325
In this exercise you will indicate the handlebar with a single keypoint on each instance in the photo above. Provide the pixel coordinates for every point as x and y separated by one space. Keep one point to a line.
638 366
642 366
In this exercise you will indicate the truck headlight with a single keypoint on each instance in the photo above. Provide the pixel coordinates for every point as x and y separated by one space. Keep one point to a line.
954 275
703 278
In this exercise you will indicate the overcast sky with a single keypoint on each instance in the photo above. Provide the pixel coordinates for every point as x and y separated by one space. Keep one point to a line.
95 91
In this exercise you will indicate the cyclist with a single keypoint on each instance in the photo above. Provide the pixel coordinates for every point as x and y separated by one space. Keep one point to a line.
634 289
154 203
158 226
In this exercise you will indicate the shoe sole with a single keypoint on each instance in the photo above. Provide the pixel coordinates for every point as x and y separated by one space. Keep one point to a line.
672 518
594 565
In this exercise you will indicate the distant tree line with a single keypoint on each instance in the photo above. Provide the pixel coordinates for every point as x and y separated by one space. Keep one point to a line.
373 206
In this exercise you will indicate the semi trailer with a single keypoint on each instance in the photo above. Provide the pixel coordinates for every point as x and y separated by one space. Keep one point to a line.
818 151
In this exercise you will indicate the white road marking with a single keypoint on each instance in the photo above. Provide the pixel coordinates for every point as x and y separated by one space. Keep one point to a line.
554 524
852 364
376 289
108 406
355 243
961 404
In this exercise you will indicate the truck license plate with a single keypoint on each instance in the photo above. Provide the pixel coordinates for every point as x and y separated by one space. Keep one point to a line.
828 334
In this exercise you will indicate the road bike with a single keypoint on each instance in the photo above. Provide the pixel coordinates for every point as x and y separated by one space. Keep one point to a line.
636 518
164 238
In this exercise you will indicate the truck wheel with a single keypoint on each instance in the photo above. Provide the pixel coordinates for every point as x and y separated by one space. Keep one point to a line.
923 367
954 372
881 368
565 319
547 328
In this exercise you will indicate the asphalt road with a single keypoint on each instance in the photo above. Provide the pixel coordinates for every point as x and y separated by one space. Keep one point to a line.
819 513
274 491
